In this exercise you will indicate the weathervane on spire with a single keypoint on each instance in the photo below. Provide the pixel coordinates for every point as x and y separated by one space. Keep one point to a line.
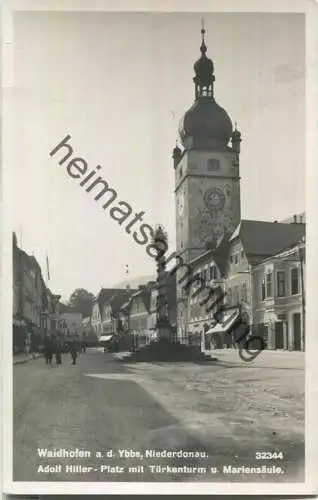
202 26
203 46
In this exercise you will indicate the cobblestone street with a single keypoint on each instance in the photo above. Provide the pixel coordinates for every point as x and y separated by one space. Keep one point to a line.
101 404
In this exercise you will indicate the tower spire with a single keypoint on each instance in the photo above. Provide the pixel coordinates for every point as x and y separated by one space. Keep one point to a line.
204 70
203 47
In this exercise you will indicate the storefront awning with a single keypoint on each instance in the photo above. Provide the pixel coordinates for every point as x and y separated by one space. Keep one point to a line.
228 320
105 338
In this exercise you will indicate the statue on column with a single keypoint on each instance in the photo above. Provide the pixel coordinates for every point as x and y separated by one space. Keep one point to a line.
163 325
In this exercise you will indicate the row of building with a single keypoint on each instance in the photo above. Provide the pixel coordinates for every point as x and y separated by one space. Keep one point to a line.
131 312
260 270
37 311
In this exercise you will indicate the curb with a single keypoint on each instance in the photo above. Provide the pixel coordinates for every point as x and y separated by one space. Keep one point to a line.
22 361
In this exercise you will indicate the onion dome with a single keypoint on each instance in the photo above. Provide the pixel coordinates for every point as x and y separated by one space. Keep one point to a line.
206 120
205 124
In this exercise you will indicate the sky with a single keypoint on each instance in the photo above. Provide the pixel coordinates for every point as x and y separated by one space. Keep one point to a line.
118 84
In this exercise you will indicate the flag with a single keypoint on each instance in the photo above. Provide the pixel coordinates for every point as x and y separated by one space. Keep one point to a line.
47 268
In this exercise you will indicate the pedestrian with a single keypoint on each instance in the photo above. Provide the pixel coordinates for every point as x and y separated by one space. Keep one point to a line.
73 348
58 351
27 344
48 350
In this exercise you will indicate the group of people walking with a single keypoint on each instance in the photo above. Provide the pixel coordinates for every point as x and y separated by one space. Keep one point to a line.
53 345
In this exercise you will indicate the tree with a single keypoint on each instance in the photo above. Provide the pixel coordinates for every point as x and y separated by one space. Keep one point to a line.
81 301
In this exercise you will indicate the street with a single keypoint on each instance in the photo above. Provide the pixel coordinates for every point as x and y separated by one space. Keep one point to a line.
108 414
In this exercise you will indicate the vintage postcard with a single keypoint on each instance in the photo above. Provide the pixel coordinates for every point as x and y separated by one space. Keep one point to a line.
158 316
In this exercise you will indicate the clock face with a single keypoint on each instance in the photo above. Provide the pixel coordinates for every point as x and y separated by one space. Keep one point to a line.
214 199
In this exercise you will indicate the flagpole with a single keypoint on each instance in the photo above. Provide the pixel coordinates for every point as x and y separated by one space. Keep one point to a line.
47 270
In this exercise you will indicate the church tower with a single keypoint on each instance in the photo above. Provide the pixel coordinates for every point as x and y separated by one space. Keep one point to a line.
207 177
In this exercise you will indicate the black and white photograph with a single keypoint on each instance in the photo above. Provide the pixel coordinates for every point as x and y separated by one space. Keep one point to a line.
158 249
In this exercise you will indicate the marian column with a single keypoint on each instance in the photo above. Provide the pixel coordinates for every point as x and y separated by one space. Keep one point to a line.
163 325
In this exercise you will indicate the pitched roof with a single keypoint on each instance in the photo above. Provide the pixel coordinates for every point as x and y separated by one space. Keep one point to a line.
105 295
120 298
219 254
263 239
65 308
144 292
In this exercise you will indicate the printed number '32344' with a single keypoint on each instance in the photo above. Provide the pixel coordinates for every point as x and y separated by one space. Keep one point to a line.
269 455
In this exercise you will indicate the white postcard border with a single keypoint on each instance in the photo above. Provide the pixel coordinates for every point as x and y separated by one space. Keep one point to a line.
310 8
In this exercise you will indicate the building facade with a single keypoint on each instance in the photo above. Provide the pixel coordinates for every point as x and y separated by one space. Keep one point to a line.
233 275
111 324
96 319
71 323
279 284
296 219
138 313
200 296
35 307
